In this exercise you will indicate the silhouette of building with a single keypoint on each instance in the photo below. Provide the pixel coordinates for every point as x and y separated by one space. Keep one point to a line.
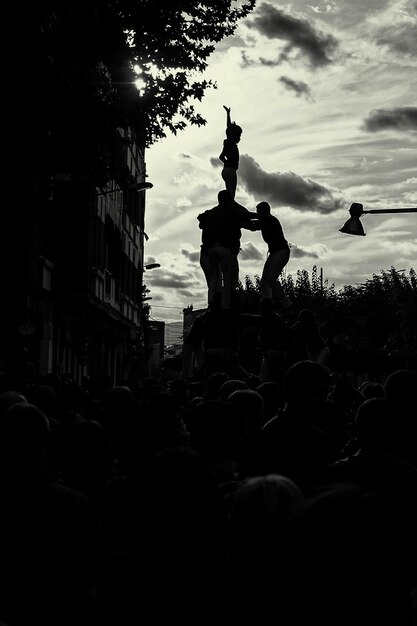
189 315
76 295
155 340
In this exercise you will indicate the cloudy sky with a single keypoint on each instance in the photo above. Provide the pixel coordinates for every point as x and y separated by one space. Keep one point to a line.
326 94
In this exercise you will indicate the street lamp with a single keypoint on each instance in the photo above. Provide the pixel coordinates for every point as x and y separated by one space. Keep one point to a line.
353 225
143 186
140 186
149 266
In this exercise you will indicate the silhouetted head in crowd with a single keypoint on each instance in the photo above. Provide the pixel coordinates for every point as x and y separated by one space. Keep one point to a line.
88 458
401 387
24 436
196 389
178 387
72 397
183 519
401 391
118 398
261 507
344 532
253 381
53 380
214 382
371 389
347 394
214 428
374 425
97 386
261 504
266 306
305 381
229 386
45 397
147 387
250 404
307 317
8 398
273 396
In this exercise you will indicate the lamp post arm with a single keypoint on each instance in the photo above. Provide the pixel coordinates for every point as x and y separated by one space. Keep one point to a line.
414 210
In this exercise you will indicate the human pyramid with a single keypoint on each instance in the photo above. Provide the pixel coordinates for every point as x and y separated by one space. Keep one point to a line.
221 234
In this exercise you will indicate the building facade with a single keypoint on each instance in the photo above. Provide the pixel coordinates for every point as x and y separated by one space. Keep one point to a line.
76 302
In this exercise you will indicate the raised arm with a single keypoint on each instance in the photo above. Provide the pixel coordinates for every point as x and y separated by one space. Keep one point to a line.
228 119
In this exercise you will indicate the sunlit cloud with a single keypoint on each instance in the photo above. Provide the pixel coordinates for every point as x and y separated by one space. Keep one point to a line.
404 248
182 202
317 252
250 252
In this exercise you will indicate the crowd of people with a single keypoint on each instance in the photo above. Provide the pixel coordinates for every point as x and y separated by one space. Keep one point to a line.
218 495
214 499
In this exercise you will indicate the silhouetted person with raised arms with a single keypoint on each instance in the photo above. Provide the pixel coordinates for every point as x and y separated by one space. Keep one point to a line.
277 257
229 156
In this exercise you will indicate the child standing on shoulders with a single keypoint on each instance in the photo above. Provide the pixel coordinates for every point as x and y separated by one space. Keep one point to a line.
230 154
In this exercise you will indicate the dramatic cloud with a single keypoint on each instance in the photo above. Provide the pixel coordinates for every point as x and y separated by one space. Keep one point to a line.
399 30
249 252
280 189
297 252
246 61
299 34
194 257
402 40
397 118
171 281
299 88
149 260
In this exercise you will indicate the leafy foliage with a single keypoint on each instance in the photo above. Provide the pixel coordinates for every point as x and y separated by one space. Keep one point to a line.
370 327
80 87
171 42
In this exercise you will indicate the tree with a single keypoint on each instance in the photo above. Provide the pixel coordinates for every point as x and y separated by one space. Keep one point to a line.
371 327
80 87
171 42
